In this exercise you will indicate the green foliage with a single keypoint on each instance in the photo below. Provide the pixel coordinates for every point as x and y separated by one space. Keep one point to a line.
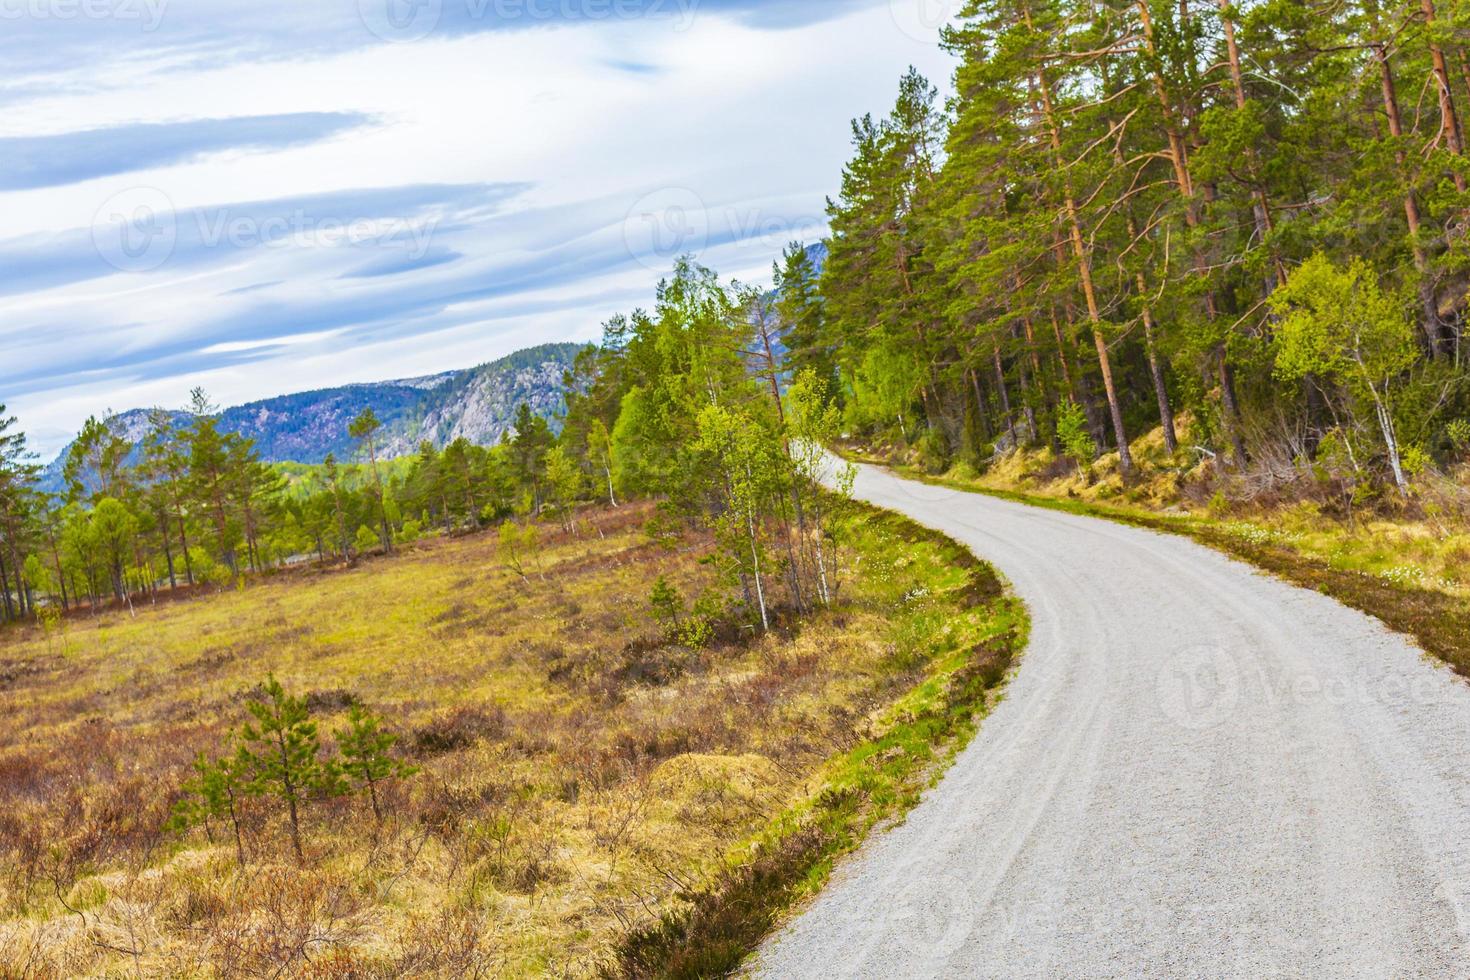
1340 323
207 571
365 425
692 629
36 575
519 546
528 455
365 540
563 482
933 450
690 418
281 752
747 456
366 750
599 456
666 602
95 461
278 756
1103 225
365 429
883 387
213 795
1417 461
1074 435
1458 433
695 632
802 312
638 460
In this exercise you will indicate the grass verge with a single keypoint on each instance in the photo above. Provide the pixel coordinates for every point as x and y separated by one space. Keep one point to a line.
1438 620
973 631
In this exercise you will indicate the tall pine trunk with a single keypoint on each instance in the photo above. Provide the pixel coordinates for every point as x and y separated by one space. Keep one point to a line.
1084 267
1430 322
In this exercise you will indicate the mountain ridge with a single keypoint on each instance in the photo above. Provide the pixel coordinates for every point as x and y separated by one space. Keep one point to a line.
476 403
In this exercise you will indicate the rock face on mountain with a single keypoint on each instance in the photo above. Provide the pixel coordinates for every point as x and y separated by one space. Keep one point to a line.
303 428
478 404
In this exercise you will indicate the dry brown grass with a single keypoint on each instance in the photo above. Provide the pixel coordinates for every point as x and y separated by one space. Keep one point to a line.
578 772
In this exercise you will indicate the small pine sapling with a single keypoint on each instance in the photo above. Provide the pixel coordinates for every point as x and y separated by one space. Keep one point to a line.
1072 433
213 794
282 750
666 604
366 762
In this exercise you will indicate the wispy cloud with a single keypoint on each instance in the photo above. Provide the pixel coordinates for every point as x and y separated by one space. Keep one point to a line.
398 218
174 199
459 279
403 261
241 346
50 39
28 162
633 67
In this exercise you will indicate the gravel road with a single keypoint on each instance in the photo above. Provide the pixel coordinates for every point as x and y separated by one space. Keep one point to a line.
1198 771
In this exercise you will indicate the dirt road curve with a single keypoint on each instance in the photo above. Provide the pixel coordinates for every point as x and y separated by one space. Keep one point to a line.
1198 771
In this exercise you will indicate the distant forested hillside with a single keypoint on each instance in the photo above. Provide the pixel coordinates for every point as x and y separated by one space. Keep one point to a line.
477 404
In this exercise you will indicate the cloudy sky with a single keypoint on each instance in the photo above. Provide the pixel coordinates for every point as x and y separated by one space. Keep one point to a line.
265 196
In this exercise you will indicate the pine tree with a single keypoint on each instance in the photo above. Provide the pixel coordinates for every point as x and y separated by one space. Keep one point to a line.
19 506
367 762
165 468
365 429
214 793
95 461
281 752
528 451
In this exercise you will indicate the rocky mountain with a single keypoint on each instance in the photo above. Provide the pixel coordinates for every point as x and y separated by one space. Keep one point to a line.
478 404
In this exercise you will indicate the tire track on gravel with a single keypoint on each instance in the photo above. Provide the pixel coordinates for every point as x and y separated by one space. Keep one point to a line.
1197 771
